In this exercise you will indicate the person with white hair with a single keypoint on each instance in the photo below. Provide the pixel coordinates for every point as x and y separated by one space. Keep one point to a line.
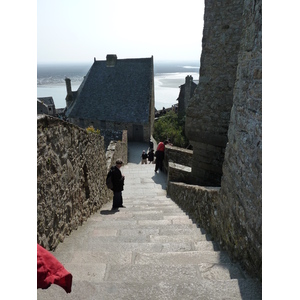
144 157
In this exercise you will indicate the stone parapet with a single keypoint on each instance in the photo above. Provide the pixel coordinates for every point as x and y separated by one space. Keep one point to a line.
199 202
178 173
179 155
116 150
225 224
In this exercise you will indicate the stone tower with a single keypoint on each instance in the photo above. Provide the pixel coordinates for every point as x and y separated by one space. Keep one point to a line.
186 92
208 113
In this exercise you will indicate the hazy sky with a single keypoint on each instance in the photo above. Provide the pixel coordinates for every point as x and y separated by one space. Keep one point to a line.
79 30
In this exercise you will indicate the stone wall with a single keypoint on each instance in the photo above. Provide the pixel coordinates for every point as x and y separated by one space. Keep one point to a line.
179 155
208 112
226 110
114 130
177 163
71 173
116 150
199 202
107 129
178 173
241 186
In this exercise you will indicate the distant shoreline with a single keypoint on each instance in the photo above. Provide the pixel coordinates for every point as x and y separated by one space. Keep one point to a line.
159 67
168 76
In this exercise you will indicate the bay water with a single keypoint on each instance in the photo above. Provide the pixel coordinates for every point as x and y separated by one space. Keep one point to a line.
168 77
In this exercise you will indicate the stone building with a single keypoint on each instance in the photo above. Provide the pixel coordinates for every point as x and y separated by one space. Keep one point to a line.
45 105
115 95
185 94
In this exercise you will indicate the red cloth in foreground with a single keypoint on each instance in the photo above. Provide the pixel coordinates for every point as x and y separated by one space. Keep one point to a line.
51 271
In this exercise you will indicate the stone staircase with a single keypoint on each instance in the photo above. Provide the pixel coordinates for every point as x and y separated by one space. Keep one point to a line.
148 250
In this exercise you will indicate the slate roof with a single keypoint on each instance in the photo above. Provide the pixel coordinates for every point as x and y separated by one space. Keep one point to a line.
46 100
121 93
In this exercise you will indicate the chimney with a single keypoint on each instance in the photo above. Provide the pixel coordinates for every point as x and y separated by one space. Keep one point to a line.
68 86
69 97
188 90
111 60
188 79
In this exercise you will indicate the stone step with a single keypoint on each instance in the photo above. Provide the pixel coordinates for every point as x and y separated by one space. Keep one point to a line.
137 213
152 199
127 238
176 238
234 289
154 203
144 228
204 266
121 257
182 258
173 274
155 215
140 193
163 208
145 222
144 247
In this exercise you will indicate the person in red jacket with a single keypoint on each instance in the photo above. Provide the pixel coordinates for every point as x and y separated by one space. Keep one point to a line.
160 154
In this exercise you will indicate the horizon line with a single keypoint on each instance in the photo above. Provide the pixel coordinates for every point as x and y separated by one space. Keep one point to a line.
92 61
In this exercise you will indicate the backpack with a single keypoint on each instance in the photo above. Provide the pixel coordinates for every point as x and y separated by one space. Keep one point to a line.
109 182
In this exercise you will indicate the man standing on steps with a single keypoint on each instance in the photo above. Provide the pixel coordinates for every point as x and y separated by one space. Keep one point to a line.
118 185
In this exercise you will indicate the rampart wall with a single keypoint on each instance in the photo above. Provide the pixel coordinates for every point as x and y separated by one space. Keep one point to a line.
71 174
208 111
223 190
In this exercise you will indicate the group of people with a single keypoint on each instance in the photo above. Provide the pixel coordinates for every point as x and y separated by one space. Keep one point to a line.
158 154
148 156
118 179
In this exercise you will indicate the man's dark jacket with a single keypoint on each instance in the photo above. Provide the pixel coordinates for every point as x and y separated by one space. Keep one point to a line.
117 179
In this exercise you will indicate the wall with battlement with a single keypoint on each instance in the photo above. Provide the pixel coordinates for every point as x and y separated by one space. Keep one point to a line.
71 174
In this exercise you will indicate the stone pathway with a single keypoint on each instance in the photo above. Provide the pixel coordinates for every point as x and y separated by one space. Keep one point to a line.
148 250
